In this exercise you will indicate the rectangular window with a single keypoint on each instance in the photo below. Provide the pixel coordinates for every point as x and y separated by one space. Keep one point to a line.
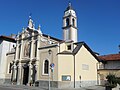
69 47
85 67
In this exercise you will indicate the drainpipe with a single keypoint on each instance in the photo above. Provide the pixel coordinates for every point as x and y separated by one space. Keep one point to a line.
74 69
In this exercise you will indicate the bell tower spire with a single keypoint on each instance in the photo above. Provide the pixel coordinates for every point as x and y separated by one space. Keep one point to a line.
70 24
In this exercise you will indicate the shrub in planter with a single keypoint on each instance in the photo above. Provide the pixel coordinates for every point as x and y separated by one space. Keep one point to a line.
118 80
112 81
108 88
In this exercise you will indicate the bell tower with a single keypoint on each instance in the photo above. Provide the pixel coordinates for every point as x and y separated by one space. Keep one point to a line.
70 24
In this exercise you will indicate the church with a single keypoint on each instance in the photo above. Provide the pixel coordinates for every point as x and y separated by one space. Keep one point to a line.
44 60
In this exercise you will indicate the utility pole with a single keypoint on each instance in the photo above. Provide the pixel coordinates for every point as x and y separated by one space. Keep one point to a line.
49 52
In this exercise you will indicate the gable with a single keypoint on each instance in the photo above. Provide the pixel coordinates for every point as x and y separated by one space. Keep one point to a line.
77 48
85 54
80 45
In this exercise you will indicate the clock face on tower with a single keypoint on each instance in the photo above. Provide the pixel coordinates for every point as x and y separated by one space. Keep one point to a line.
70 12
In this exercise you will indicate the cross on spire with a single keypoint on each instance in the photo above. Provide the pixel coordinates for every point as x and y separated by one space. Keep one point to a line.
30 15
69 4
69 7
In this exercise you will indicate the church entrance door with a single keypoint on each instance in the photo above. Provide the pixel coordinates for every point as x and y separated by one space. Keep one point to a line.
26 75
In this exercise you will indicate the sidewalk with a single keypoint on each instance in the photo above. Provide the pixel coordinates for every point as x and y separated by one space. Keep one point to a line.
23 87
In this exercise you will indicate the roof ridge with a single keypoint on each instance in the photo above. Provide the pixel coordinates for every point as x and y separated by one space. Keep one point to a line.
7 38
111 54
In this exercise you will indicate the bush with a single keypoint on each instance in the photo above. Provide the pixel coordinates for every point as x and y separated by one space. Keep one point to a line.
112 80
118 80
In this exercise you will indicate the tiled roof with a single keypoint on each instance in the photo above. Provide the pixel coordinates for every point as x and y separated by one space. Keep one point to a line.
87 47
45 35
7 38
77 48
110 57
66 52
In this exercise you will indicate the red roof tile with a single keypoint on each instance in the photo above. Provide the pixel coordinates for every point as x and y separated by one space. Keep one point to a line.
7 38
110 57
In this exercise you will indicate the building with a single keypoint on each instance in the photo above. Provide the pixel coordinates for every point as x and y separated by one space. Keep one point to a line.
7 45
41 59
110 64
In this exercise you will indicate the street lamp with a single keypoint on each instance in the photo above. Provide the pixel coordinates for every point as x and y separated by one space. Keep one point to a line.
49 52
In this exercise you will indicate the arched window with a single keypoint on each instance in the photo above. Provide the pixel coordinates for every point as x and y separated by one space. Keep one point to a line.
35 49
73 22
67 22
46 67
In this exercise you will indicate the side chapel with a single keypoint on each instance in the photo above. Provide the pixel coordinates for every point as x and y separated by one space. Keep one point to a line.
40 58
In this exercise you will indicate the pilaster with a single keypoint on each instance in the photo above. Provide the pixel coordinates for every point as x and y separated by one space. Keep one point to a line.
30 72
15 72
32 43
19 78
16 52
70 19
38 58
21 51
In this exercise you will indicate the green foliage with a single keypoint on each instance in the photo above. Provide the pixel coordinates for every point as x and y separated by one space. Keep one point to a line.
112 80
118 80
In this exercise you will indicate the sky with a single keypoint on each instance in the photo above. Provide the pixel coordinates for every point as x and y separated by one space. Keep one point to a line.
98 20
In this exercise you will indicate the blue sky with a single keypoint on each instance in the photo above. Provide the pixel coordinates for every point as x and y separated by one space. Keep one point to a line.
98 20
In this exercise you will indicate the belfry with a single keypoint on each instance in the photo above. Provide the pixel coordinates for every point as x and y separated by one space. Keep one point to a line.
70 24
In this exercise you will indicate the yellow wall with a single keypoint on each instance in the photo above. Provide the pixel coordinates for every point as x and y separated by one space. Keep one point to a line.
53 59
62 47
84 58
107 72
65 66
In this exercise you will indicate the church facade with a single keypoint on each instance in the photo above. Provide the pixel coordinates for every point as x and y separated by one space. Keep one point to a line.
41 59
